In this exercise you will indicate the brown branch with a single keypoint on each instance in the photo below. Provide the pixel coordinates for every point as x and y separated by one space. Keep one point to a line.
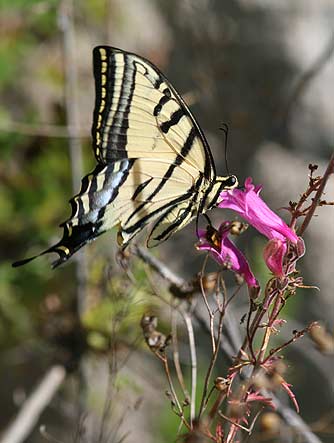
296 336
316 199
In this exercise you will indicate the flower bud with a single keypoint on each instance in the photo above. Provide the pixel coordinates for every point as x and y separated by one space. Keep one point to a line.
270 422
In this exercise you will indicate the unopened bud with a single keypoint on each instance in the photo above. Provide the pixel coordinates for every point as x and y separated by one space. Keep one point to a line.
270 422
237 227
238 409
209 281
276 376
221 383
148 323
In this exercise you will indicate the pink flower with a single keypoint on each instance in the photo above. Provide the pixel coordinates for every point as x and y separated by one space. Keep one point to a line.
274 253
253 209
224 251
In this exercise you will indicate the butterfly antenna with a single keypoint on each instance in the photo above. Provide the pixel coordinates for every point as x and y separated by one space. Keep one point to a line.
224 127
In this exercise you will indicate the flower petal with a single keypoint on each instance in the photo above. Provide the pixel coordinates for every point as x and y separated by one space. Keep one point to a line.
226 253
252 208
273 254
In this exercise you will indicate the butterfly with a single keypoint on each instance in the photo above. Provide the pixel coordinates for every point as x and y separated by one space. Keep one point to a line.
153 161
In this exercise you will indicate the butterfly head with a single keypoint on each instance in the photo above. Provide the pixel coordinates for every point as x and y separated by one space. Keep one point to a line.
229 182
220 184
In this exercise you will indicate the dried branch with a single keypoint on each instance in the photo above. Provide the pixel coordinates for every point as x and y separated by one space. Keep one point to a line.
33 407
317 198
193 360
165 272
176 356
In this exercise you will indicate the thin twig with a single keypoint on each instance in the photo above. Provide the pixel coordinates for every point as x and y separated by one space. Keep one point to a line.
212 363
234 423
193 360
32 408
295 337
161 268
317 197
164 360
268 329
211 314
176 356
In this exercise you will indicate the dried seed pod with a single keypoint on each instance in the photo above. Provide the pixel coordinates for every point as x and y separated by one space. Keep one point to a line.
155 340
222 384
148 323
270 423
275 376
210 280
238 227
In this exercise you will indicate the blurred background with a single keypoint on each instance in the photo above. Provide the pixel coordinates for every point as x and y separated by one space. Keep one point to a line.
264 68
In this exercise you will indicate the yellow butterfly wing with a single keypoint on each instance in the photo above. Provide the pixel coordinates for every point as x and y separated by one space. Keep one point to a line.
153 159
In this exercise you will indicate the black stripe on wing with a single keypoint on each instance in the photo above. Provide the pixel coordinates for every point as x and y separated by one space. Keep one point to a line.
181 214
136 227
114 133
117 132
177 162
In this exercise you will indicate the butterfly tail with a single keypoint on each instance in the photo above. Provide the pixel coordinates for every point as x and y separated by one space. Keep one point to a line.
63 252
73 239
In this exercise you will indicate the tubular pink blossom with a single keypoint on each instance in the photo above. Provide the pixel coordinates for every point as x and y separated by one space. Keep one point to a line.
225 252
252 208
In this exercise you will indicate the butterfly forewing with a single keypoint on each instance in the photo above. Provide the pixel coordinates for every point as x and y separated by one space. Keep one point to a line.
139 114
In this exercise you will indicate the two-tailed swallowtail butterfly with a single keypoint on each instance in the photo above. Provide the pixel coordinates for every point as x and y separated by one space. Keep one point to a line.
154 163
